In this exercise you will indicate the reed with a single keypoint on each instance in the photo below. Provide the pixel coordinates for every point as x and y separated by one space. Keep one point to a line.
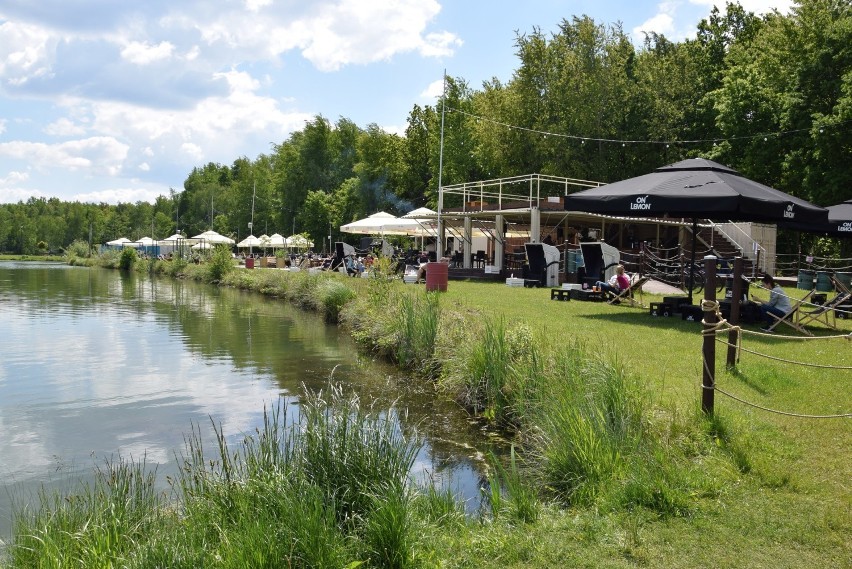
419 317
94 527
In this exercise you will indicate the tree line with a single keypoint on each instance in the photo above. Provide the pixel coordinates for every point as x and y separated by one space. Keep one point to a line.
770 96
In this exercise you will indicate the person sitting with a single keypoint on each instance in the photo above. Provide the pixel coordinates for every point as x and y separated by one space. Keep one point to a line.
617 283
777 305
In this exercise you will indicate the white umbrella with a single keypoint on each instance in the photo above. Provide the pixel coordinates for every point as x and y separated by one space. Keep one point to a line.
420 213
379 223
202 245
211 236
146 242
276 240
120 242
173 238
250 241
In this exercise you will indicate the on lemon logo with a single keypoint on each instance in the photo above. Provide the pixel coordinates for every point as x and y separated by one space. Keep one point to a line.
641 203
846 226
789 213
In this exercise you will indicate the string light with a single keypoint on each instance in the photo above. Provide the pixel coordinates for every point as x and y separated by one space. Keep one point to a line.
624 142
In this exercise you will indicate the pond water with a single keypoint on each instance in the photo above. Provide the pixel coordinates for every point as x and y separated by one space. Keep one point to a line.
98 364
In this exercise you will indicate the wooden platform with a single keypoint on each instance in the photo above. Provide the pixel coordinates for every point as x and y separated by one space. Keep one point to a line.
454 274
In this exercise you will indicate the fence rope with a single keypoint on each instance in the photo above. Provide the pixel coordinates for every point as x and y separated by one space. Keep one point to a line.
776 411
767 356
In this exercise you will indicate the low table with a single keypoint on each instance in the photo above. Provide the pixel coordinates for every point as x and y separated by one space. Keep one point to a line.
589 295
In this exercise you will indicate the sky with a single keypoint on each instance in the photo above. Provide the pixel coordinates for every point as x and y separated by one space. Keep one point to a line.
106 101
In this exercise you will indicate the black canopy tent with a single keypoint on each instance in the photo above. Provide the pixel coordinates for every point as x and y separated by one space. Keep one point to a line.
699 189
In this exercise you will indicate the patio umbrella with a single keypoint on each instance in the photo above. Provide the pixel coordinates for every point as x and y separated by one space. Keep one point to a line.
839 222
276 240
120 242
840 216
202 245
696 188
214 238
248 242
380 223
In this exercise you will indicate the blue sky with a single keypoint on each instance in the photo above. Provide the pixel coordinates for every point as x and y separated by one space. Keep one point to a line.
105 101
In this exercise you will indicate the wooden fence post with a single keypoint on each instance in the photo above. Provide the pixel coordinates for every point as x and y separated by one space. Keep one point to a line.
708 377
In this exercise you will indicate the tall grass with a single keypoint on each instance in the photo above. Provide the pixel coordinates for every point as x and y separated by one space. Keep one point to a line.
330 490
95 527
418 329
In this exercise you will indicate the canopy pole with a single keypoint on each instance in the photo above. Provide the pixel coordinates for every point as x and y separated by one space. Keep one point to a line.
692 257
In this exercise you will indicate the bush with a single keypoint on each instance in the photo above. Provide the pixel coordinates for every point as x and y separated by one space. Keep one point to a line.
127 259
78 248
221 263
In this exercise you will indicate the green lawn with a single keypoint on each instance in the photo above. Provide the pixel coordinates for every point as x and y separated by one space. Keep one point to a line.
790 509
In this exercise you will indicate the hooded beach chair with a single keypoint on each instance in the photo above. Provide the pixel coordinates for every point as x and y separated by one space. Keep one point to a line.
792 316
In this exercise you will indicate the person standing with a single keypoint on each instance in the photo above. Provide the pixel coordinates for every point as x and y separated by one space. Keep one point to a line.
777 305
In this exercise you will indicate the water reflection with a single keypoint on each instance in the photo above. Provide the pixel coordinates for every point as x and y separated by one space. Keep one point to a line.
96 363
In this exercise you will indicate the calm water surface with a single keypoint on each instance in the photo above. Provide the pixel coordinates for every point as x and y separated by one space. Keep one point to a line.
96 364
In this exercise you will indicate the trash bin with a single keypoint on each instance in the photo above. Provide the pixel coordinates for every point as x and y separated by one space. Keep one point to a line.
250 263
806 280
823 282
844 279
436 276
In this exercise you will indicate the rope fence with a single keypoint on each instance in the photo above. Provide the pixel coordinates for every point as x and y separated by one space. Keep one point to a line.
722 326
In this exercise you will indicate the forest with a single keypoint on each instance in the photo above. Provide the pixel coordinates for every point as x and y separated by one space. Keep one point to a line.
770 96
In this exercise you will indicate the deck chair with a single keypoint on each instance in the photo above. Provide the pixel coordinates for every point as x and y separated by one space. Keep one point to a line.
792 316
828 310
627 296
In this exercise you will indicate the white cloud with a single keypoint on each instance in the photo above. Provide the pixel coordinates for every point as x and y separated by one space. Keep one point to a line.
64 127
14 178
2 126
255 5
143 53
756 6
96 155
434 90
123 195
15 195
661 23
192 150
144 167
25 52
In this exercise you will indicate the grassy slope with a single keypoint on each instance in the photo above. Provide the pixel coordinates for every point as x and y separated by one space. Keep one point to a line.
791 509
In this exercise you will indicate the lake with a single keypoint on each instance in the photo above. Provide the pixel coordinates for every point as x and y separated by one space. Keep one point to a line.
98 364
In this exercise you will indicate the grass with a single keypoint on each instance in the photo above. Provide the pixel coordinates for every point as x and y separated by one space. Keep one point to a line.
616 466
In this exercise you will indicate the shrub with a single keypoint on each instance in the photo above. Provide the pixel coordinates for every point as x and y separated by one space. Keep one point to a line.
127 258
78 248
331 295
221 263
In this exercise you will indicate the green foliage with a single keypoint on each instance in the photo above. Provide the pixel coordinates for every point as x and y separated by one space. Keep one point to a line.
332 296
418 329
78 248
94 527
221 263
127 258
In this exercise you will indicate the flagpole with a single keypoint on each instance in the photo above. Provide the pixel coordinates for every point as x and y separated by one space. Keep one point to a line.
439 246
